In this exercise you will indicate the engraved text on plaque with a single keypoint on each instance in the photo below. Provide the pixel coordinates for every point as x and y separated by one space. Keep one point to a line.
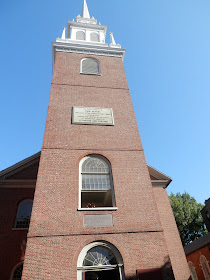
92 115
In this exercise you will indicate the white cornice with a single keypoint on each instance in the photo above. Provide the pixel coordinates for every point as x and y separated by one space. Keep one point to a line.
86 25
80 42
86 49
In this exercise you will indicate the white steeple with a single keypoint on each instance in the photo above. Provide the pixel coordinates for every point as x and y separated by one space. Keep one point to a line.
84 35
85 12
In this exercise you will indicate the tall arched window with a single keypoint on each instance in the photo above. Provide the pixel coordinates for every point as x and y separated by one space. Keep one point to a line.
90 66
17 272
192 271
23 214
205 267
100 260
80 35
94 37
96 186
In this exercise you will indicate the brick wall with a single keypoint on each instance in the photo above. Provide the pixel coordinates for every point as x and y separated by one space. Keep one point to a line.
56 234
173 241
12 241
194 257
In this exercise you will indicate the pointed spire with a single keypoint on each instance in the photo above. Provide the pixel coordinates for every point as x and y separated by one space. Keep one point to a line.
112 39
63 33
85 12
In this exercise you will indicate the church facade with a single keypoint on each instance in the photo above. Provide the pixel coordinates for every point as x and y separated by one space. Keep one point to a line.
99 211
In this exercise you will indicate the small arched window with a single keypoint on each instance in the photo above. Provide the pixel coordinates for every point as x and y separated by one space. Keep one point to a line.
23 214
80 35
90 66
192 271
100 260
94 37
205 267
17 272
96 186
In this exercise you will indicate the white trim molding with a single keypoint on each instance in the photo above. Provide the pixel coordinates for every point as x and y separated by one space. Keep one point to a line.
110 247
86 49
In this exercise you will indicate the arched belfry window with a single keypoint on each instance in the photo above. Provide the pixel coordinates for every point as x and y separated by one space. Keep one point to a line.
96 186
23 214
80 35
17 272
90 66
100 260
192 271
205 267
94 37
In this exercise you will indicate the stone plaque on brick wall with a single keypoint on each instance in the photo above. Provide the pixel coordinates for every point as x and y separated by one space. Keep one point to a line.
98 220
92 115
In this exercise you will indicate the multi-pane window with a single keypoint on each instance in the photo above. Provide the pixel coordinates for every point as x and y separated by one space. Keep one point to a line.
192 271
90 66
205 267
96 182
23 214
17 274
98 256
100 260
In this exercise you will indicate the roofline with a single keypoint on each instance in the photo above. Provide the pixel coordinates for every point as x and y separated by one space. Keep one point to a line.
197 244
19 164
167 178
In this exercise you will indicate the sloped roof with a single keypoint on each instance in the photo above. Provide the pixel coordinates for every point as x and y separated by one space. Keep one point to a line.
197 244
28 168
158 177
25 169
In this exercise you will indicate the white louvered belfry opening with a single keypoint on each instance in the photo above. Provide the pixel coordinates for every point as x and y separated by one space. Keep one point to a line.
94 37
90 66
80 35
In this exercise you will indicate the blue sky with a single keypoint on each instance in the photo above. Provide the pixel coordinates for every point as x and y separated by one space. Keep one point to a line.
167 64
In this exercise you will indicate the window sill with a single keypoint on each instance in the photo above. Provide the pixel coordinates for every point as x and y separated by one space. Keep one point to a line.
98 209
19 228
96 74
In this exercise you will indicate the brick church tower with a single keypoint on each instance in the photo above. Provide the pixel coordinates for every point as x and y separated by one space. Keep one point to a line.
96 214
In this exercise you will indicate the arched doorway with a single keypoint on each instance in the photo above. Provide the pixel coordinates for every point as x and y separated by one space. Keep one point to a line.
100 261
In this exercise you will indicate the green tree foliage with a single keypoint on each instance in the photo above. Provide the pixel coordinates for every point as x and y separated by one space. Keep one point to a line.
187 213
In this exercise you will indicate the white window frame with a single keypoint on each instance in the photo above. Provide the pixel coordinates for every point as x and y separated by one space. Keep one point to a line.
111 184
13 270
107 245
99 69
206 269
192 271
19 205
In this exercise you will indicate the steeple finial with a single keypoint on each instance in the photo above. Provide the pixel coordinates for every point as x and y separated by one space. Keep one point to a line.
63 33
112 38
85 12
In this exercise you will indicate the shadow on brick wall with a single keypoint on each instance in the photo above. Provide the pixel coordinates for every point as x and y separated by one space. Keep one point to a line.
162 273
